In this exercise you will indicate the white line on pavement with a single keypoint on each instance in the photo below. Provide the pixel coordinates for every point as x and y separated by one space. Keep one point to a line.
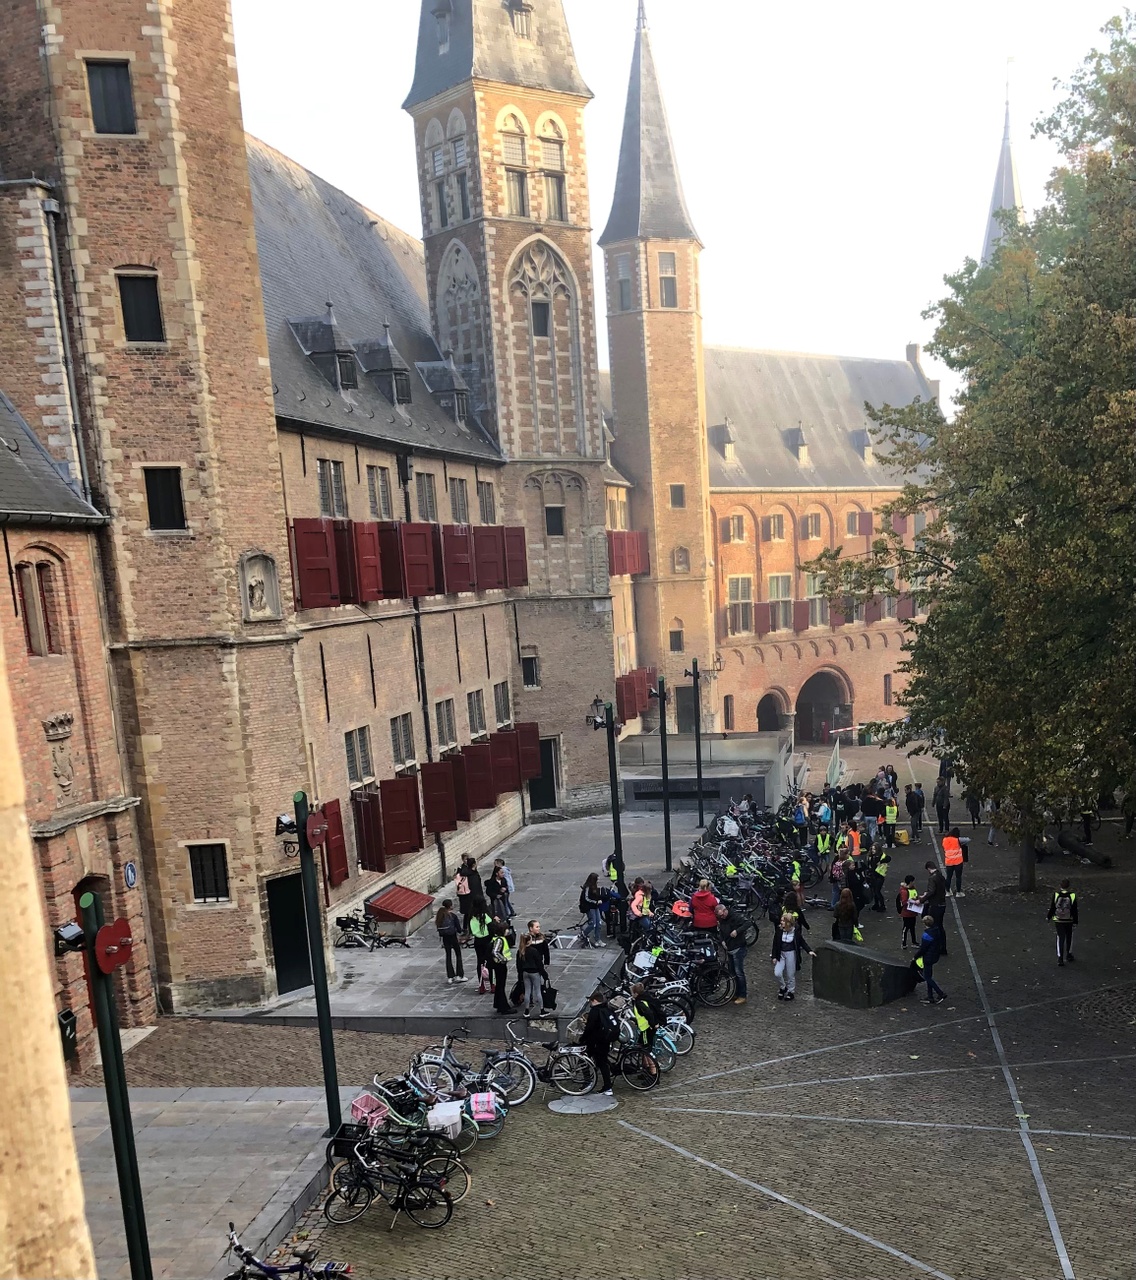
792 1204
1019 1110
901 1124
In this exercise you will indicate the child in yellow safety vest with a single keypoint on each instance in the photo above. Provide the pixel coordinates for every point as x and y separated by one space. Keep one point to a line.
891 819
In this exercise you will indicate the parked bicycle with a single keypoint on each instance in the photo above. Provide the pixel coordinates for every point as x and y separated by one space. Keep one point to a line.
405 1185
359 930
254 1268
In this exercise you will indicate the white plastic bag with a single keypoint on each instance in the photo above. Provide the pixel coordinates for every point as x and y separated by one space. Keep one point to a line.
730 828
445 1117
779 968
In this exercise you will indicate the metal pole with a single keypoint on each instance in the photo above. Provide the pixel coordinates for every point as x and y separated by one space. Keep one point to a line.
118 1098
698 739
666 770
613 773
319 968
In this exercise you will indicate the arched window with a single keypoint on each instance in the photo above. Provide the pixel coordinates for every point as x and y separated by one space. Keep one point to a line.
553 163
37 585
682 560
677 636
728 712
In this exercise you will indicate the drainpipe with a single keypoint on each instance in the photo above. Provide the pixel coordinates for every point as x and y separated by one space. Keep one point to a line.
51 212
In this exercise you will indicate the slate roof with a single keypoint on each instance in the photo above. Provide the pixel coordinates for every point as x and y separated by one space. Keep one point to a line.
484 45
315 243
648 201
1007 192
775 399
32 491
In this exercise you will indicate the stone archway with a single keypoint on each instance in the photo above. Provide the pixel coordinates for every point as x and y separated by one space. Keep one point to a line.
770 713
824 703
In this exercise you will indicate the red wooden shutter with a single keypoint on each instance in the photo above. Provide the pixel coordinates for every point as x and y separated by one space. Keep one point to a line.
838 614
761 618
367 563
516 557
402 818
611 537
641 698
457 557
800 615
418 556
644 550
489 556
873 610
631 542
766 529
393 566
317 581
335 846
506 751
345 564
899 524
619 555
368 830
439 801
866 523
461 788
480 786
529 735
905 608
625 707
725 528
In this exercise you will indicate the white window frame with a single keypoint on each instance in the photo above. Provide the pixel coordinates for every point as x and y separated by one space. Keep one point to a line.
781 605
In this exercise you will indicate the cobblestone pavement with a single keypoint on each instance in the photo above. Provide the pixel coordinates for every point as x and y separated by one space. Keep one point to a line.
991 1137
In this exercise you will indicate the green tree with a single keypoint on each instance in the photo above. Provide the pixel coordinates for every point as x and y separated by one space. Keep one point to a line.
1024 666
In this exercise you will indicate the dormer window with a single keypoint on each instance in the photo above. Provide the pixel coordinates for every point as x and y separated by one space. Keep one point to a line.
442 11
348 374
522 19
401 387
461 405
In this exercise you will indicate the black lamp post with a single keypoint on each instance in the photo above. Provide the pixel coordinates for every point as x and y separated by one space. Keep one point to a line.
603 717
661 694
693 673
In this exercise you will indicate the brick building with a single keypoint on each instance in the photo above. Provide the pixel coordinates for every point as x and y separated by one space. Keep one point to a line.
743 465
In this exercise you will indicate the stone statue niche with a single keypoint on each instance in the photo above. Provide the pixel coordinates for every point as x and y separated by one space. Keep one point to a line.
260 587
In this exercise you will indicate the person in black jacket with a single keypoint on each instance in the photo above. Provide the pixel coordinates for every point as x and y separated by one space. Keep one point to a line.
915 802
935 902
1065 915
533 974
732 929
925 959
788 944
600 1031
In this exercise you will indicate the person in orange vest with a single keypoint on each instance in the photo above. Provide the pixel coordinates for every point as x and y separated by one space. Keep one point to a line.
953 857
854 841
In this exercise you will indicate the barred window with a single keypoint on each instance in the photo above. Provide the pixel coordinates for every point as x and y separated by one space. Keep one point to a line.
402 740
446 722
501 704
513 148
487 502
358 746
427 497
379 492
209 872
438 161
459 501
552 153
332 488
461 152
475 706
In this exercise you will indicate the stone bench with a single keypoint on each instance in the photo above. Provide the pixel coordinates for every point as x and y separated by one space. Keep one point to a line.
859 978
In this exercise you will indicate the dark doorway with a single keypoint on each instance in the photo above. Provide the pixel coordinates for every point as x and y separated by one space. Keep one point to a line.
289 933
768 715
820 708
684 707
542 790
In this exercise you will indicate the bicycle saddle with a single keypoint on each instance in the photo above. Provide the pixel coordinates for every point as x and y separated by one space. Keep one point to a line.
306 1253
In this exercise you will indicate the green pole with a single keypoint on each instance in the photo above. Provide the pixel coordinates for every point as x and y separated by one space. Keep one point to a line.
613 776
319 968
666 771
118 1098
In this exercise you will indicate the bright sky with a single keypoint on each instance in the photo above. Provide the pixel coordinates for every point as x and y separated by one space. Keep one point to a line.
838 158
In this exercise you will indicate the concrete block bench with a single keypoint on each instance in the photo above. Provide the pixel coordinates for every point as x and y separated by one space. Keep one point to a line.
859 978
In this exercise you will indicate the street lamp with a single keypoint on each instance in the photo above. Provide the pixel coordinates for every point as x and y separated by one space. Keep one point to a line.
603 717
661 695
694 675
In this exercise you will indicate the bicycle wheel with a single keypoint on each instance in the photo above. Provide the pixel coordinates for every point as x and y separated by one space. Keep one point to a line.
428 1206
678 1006
449 1169
634 1068
434 1076
714 986
682 1034
750 935
349 1203
572 1073
664 1051
514 1078
467 1138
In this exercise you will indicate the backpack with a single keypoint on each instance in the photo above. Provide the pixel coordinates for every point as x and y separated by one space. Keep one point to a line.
609 1024
825 813
583 902
1063 908
799 815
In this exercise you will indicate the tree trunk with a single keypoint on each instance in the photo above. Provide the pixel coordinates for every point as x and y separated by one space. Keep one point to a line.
42 1226
1027 863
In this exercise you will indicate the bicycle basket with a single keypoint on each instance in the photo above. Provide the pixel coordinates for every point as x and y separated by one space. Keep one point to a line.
348 922
644 961
369 1110
445 1117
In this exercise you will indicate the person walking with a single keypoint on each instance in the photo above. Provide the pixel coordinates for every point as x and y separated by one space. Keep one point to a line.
879 875
703 907
510 887
935 902
601 1028
465 881
788 946
954 857
591 905
1064 913
533 975
989 809
915 802
481 931
846 918
925 960
907 903
501 954
449 927
891 821
497 894
732 928
973 807
941 799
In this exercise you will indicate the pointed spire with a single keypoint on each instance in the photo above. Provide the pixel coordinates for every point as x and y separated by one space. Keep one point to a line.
1007 191
648 202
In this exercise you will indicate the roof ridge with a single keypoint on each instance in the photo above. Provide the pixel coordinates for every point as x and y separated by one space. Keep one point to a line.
808 355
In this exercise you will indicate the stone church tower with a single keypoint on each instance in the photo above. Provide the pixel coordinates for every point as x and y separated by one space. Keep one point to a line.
498 106
651 255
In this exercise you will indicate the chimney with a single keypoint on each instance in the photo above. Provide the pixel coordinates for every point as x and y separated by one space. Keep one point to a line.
914 352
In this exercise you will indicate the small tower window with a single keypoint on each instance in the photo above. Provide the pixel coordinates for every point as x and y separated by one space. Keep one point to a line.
463 195
461 152
517 195
348 375
552 153
668 283
555 208
401 387
112 99
513 148
438 161
522 20
442 10
623 280
440 196
461 405
541 319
